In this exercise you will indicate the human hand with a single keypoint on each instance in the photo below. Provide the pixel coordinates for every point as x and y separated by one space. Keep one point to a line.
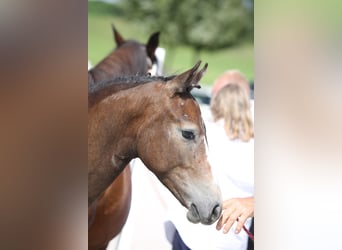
235 209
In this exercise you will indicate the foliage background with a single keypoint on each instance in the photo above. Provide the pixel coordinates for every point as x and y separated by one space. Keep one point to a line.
234 49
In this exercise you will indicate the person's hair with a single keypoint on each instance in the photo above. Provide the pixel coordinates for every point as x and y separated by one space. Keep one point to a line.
228 77
232 103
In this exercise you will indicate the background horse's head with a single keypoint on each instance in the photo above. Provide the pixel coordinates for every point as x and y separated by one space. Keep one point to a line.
172 144
150 46
130 57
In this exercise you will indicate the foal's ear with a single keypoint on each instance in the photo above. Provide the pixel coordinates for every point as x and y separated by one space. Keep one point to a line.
152 45
117 37
188 80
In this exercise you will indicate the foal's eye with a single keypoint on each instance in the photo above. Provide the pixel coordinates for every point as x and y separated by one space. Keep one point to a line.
189 135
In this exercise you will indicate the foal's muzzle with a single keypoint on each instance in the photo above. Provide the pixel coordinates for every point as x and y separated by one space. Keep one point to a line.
206 215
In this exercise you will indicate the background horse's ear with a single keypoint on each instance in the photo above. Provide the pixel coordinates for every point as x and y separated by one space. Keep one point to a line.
117 37
152 45
188 80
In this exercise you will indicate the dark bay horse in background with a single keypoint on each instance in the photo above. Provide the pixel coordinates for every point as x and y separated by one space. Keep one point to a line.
129 58
157 120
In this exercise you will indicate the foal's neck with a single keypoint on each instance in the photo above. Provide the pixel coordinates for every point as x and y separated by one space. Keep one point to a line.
113 127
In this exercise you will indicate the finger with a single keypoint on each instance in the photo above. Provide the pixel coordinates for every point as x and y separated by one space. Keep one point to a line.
219 223
224 217
231 220
241 221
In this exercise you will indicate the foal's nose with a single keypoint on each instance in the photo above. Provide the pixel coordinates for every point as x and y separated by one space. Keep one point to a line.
206 214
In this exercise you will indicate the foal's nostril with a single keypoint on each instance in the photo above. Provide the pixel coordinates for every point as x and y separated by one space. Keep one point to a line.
194 209
216 212
193 214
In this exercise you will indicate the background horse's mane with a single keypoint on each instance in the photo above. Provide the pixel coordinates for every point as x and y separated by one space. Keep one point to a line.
100 90
130 42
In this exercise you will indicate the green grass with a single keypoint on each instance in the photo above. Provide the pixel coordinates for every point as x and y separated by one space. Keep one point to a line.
101 43
182 58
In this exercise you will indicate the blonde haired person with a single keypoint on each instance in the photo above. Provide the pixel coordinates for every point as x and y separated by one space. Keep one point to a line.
232 105
231 155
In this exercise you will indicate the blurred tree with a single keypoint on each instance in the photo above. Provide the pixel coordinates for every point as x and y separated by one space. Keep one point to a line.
201 24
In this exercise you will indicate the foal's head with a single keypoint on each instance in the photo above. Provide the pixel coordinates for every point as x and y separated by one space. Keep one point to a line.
157 120
172 144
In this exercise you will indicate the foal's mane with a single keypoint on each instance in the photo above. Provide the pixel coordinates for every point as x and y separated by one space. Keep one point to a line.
100 90
126 82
